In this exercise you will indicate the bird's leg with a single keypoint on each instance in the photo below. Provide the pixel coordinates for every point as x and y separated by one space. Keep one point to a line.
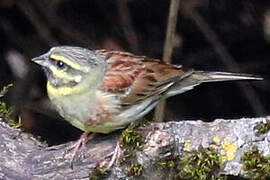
81 143
115 156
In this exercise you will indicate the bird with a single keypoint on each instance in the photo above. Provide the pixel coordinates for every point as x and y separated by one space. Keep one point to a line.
100 91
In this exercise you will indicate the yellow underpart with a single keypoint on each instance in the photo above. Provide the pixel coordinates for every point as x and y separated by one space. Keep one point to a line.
64 90
68 62
228 149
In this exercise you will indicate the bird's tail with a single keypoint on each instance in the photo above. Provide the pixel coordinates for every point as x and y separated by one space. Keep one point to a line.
195 78
205 76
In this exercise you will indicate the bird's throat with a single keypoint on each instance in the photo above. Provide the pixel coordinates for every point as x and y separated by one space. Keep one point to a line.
58 92
74 104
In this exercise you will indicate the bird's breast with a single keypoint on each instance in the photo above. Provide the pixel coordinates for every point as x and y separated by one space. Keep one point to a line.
89 111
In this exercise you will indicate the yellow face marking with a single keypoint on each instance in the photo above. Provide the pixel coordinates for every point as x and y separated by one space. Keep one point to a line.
68 62
59 92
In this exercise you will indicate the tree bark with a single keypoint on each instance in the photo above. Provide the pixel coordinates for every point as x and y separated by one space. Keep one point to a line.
24 157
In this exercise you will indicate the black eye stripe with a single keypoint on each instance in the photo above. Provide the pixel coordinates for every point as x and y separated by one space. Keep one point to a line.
59 64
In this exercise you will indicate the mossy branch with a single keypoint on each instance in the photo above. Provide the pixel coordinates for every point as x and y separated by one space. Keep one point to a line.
175 150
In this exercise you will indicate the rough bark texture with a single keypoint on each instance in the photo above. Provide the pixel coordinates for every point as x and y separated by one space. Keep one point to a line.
23 157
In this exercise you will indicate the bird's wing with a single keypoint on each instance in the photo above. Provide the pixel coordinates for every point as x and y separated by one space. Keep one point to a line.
135 78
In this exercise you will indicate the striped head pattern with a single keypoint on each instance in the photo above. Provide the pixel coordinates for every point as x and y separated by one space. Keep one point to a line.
67 66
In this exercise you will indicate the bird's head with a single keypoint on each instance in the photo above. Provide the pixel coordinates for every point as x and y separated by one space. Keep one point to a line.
67 66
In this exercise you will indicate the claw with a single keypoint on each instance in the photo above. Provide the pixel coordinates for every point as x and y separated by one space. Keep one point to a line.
80 144
115 156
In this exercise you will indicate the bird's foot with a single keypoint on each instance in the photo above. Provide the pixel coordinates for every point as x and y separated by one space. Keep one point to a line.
115 156
79 145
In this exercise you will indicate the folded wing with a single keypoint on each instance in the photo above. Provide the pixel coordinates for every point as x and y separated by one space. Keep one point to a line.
136 78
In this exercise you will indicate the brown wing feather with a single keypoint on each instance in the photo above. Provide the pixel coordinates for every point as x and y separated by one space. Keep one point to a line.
137 77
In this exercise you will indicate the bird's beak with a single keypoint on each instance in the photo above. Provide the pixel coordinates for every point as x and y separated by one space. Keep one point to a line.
42 60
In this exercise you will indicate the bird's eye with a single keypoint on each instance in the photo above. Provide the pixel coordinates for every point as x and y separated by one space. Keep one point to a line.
60 65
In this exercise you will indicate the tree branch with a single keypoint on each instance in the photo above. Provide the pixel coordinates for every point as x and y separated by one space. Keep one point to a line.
23 157
168 49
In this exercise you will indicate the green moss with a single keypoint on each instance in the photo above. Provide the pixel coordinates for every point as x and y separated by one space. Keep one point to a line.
5 111
203 164
168 163
98 174
263 128
15 123
256 165
131 141
134 169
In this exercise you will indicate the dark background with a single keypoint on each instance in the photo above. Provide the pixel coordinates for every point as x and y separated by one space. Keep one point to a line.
212 35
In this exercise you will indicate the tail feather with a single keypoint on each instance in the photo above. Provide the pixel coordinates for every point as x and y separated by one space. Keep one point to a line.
197 77
204 76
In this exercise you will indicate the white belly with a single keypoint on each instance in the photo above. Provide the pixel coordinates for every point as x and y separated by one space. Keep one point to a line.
125 117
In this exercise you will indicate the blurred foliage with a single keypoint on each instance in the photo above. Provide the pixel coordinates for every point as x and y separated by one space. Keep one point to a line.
263 128
5 111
